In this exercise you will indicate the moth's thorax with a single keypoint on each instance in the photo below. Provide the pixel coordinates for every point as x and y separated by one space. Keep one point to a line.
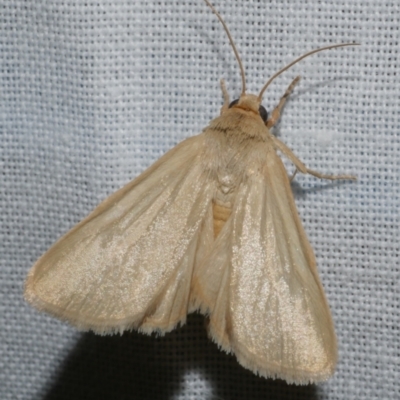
237 145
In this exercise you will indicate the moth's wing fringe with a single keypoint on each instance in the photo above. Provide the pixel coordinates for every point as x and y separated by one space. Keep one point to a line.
102 297
104 329
272 371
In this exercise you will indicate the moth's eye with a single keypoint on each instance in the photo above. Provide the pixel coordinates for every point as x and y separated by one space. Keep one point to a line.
233 103
263 113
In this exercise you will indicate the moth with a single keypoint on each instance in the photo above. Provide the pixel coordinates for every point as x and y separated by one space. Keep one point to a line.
211 227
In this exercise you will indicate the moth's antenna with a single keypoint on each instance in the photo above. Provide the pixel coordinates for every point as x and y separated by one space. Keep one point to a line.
299 59
232 44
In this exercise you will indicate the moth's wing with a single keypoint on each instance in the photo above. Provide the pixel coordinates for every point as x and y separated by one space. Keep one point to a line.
129 263
261 287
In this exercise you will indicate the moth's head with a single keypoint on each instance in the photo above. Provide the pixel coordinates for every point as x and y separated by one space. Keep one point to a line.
250 103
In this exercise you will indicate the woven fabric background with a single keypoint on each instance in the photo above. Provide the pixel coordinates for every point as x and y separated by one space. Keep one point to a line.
93 92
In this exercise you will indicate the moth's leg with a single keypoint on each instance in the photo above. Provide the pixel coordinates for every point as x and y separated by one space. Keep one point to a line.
331 177
294 174
276 113
301 167
226 96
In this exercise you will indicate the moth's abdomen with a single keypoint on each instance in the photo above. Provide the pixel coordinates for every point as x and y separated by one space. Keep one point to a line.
221 214
223 198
